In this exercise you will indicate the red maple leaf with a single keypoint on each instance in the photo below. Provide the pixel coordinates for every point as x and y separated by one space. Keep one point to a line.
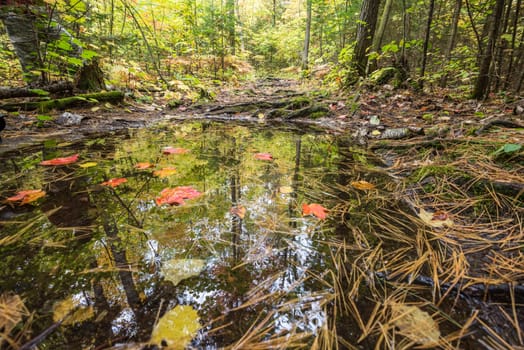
264 156
177 195
61 161
114 182
314 209
26 196
173 150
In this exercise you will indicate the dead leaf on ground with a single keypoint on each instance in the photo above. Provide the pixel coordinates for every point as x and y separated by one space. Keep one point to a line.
415 324
362 185
437 219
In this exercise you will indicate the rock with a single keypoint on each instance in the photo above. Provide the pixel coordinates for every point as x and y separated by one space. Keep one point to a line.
69 119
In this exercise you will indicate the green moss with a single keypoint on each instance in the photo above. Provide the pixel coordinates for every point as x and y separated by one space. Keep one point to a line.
433 170
317 115
299 102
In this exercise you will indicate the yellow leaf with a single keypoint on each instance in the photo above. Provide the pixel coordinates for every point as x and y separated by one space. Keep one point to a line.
165 172
176 328
362 185
415 324
176 270
286 189
436 219
72 311
88 165
239 211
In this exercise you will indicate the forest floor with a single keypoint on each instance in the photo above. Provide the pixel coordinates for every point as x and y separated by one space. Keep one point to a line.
369 116
462 160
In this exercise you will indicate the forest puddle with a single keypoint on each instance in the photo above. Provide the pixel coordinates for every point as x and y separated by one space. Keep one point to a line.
211 235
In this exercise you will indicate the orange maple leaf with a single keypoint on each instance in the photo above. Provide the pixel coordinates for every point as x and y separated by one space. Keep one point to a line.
114 182
314 209
26 196
61 161
143 165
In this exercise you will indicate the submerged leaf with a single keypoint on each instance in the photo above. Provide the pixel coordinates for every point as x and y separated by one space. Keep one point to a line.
174 150
61 161
314 209
27 196
176 270
415 324
165 172
177 195
286 189
176 328
362 185
437 219
239 211
263 156
72 311
114 182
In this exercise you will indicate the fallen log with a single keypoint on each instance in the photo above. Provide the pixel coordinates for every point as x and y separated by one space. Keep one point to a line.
62 86
67 102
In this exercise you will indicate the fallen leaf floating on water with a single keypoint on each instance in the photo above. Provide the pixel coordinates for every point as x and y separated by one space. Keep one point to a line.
239 211
61 161
415 324
27 196
114 182
177 195
176 328
174 150
314 209
362 185
165 172
437 219
263 156
143 165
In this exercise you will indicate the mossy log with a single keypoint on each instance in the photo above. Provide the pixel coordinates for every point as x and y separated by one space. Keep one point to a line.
67 102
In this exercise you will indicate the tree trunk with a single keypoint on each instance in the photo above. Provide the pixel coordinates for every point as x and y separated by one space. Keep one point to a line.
452 39
231 21
426 43
481 89
365 31
379 36
22 32
512 55
90 77
305 53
